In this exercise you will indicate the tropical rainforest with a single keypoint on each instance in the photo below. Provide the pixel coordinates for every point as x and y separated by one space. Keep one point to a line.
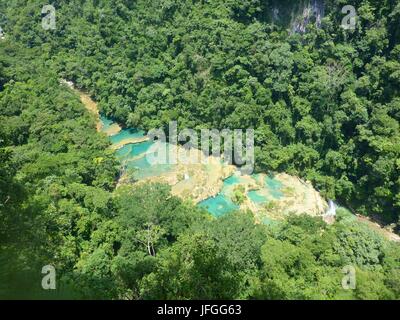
324 104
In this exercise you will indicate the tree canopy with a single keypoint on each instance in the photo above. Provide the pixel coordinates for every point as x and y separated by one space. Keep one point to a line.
324 105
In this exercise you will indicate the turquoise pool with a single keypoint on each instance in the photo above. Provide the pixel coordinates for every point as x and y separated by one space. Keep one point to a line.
134 157
218 205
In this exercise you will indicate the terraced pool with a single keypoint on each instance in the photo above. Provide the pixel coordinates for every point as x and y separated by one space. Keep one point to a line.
133 156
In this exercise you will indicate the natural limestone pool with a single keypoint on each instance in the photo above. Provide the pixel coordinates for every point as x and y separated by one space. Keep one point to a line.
213 186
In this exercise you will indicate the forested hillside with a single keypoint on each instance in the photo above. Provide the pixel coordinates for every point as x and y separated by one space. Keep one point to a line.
325 105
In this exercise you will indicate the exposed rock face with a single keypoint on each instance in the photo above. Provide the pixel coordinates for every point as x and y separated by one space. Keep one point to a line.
91 106
314 10
303 198
297 16
201 178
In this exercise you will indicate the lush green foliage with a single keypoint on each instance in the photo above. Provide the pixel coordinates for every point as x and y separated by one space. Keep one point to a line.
325 105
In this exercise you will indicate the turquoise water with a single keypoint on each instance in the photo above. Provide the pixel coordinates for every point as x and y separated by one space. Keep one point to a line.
232 180
146 170
106 123
256 197
124 152
134 157
130 151
125 134
274 187
219 205
268 221
140 148
222 203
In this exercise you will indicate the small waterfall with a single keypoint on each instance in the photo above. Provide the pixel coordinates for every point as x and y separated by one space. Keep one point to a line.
331 212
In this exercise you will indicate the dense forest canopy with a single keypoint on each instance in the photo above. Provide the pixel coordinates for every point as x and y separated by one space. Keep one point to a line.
324 104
